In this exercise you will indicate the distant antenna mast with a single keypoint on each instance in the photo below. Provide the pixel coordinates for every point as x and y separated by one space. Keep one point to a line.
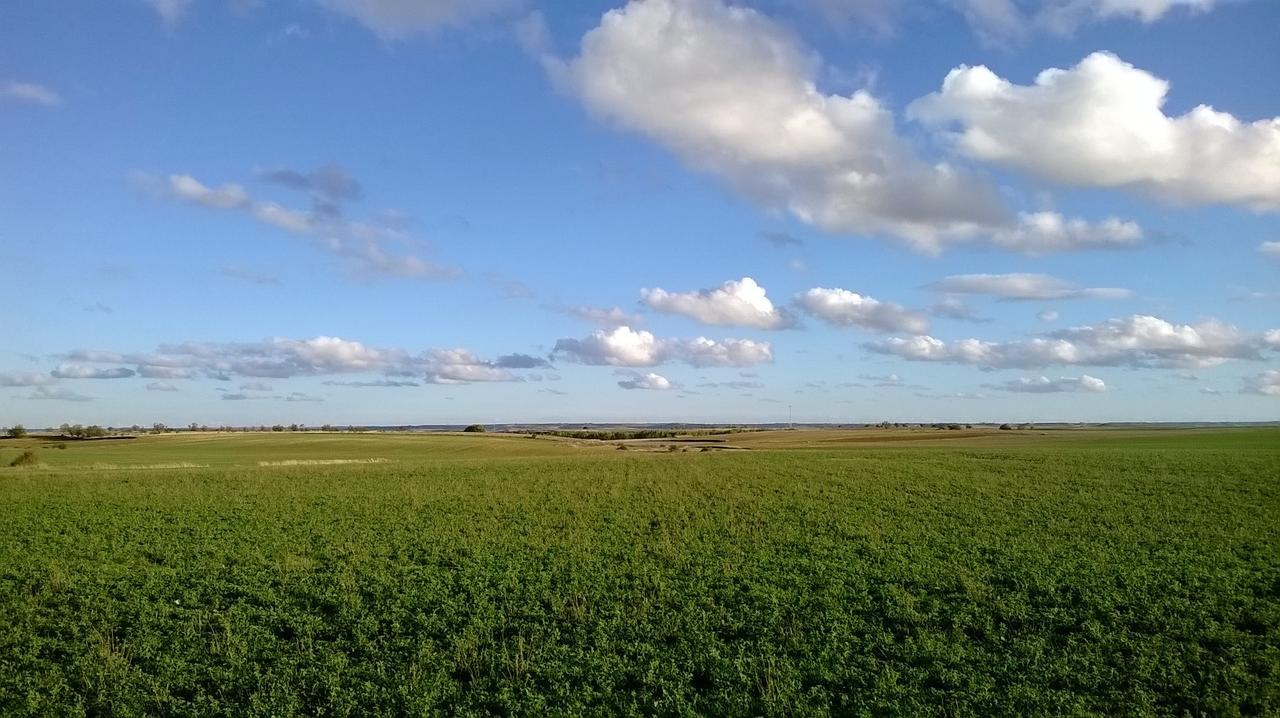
791 423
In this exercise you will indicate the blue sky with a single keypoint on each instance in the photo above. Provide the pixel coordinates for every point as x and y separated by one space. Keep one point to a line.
398 211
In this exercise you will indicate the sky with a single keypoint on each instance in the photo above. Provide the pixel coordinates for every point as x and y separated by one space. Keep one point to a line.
445 211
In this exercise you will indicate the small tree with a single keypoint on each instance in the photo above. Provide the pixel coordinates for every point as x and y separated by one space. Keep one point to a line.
1006 427
475 429
17 431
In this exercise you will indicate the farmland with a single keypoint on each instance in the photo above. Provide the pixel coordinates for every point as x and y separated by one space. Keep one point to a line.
877 572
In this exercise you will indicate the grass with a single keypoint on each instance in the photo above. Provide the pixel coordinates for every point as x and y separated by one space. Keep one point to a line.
1014 573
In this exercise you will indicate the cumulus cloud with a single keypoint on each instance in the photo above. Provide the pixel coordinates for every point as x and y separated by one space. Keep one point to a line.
841 307
740 302
1045 385
1023 287
1101 124
624 346
650 381
1267 383
24 379
461 366
1047 315
29 92
733 94
401 19
361 244
77 371
1138 341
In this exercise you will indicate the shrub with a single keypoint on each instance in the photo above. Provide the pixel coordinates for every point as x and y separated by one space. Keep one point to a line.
26 458
475 429
1005 427
17 431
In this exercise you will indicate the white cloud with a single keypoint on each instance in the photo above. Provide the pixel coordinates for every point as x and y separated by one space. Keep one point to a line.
1039 233
283 358
228 196
461 366
740 303
1045 385
1271 249
161 386
605 317
1047 315
1100 124
24 379
1137 340
29 92
651 381
732 93
361 244
1024 286
400 19
77 371
1267 383
842 307
624 346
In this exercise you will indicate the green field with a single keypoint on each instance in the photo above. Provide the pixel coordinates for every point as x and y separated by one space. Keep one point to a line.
983 573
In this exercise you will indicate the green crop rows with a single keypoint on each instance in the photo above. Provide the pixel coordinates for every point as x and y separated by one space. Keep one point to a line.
479 575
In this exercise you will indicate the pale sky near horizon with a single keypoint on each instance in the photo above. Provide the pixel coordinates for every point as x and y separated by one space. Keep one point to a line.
433 211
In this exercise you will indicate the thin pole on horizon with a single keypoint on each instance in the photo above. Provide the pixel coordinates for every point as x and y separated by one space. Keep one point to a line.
791 421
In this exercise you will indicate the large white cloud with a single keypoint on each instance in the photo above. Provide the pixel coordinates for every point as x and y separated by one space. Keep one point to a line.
733 93
1138 340
842 307
1101 124
740 302
627 347
1024 286
1045 385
